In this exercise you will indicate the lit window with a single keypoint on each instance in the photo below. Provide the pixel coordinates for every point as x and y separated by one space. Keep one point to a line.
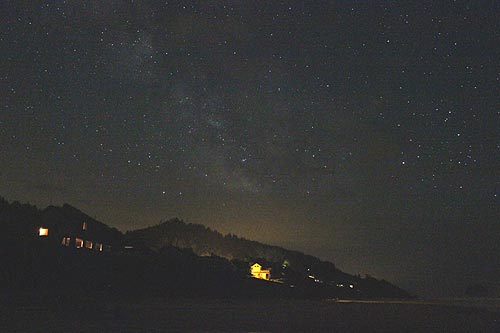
88 244
84 226
78 243
43 232
66 241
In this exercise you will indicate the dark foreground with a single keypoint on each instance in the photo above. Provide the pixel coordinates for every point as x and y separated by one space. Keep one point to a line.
263 315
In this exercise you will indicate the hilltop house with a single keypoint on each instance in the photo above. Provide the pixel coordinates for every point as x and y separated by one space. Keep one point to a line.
259 273
71 228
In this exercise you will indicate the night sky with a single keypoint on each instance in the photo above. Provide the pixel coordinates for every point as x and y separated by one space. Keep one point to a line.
362 132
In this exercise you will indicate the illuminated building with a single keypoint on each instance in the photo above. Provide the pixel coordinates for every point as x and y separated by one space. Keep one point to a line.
259 273
71 228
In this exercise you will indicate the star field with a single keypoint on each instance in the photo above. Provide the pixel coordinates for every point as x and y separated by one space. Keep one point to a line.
365 133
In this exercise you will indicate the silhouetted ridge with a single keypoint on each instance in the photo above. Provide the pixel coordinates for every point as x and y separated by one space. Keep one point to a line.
286 265
68 214
62 249
206 242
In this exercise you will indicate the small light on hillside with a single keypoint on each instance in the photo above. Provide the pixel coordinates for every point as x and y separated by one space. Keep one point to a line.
43 232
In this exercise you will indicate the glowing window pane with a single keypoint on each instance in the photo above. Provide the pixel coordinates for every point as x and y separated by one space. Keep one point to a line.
43 232
78 243
66 241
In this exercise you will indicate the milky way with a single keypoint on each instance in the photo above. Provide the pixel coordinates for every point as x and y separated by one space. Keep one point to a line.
363 132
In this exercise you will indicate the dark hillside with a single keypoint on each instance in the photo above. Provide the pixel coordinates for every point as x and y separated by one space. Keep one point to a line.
67 219
206 242
291 267
77 254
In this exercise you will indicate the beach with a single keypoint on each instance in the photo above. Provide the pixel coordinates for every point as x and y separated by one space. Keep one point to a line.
251 315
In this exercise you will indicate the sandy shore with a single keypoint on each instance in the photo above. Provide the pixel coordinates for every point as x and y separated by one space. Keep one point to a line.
264 315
